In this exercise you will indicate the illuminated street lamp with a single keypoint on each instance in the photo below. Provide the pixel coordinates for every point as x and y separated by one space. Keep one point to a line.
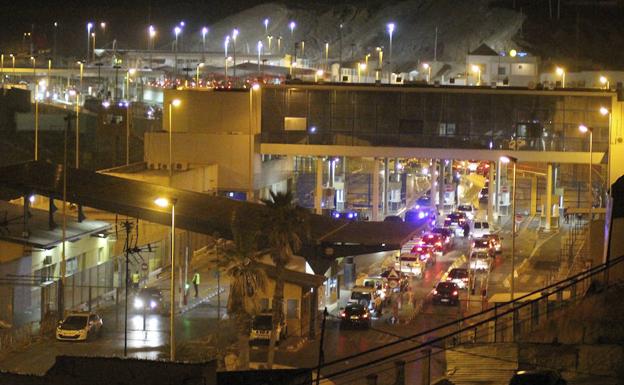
390 28
561 72
259 47
200 65
13 59
590 195
93 51
427 67
89 28
165 203
225 46
234 36
292 26
177 31
269 38
326 55
361 67
506 160
173 103
318 75
604 81
476 69
34 63
150 46
266 26
204 32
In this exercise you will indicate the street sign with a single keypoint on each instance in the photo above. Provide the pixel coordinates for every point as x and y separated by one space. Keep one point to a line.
144 266
393 275
448 188
518 218
504 189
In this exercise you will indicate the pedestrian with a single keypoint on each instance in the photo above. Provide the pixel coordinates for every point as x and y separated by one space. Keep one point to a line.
136 278
196 282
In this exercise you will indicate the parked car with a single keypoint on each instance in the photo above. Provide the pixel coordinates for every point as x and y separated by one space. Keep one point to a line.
483 245
459 277
356 315
496 240
479 260
79 327
149 300
468 209
537 377
261 327
480 229
446 292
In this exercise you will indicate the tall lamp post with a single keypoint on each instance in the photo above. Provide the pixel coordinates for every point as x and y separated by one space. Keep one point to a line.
177 30
200 65
131 72
590 195
225 46
390 27
150 46
427 67
173 103
604 111
234 36
164 203
259 54
89 27
561 72
204 32
36 122
510 159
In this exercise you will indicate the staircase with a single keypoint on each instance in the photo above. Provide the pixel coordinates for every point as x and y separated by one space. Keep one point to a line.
489 364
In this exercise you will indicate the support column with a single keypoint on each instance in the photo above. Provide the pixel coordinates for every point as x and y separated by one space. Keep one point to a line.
533 207
490 201
386 182
498 186
432 178
548 206
442 184
375 187
318 190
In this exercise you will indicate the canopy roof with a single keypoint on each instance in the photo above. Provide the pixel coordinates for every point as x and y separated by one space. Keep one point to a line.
197 212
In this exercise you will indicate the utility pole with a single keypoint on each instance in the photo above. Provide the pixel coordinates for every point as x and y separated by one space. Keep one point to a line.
128 227
321 356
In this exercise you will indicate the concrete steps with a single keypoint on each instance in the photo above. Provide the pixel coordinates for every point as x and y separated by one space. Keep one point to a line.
489 364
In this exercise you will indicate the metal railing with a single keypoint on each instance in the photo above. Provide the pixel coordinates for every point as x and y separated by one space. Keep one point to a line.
504 322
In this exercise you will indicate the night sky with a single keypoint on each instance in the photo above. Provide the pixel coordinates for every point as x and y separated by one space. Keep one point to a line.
126 19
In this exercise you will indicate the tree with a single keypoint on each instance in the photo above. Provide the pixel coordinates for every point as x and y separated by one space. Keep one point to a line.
238 259
286 226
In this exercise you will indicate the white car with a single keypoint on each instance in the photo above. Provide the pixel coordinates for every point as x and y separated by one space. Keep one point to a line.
79 327
480 261
480 229
469 210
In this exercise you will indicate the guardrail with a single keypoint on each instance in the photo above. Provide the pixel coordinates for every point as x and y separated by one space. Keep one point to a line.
504 322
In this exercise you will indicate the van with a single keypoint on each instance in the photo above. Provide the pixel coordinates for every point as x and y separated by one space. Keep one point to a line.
363 295
480 229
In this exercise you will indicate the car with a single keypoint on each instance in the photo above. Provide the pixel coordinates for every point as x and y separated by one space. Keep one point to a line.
356 315
458 276
479 260
348 215
448 234
436 241
261 327
484 245
496 240
79 327
410 265
420 214
393 218
480 228
424 253
363 295
455 219
484 195
149 300
446 292
424 200
537 377
468 209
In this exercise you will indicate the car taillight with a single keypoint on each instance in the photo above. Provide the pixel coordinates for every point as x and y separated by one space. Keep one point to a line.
438 243
343 314
465 279
365 315
455 292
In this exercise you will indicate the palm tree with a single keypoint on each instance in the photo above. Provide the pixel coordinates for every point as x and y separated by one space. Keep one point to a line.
247 278
286 226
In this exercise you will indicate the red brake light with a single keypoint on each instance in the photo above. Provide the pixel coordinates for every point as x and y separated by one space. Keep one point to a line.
343 314
465 279
365 315
455 292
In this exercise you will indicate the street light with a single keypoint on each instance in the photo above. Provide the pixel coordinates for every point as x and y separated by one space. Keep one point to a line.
34 63
266 26
176 31
561 72
259 47
327 56
204 32
476 69
292 26
93 50
225 46
361 67
605 82
164 203
13 59
506 160
200 65
173 103
390 28
427 67
318 74
89 28
590 195
150 46
234 36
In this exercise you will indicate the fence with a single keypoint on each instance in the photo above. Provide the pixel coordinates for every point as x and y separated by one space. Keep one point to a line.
503 322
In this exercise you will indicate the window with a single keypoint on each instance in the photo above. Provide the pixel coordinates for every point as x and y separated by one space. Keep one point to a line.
502 71
45 274
292 308
100 255
71 266
447 129
295 124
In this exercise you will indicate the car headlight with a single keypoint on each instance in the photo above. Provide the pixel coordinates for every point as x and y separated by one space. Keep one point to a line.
153 304
138 303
